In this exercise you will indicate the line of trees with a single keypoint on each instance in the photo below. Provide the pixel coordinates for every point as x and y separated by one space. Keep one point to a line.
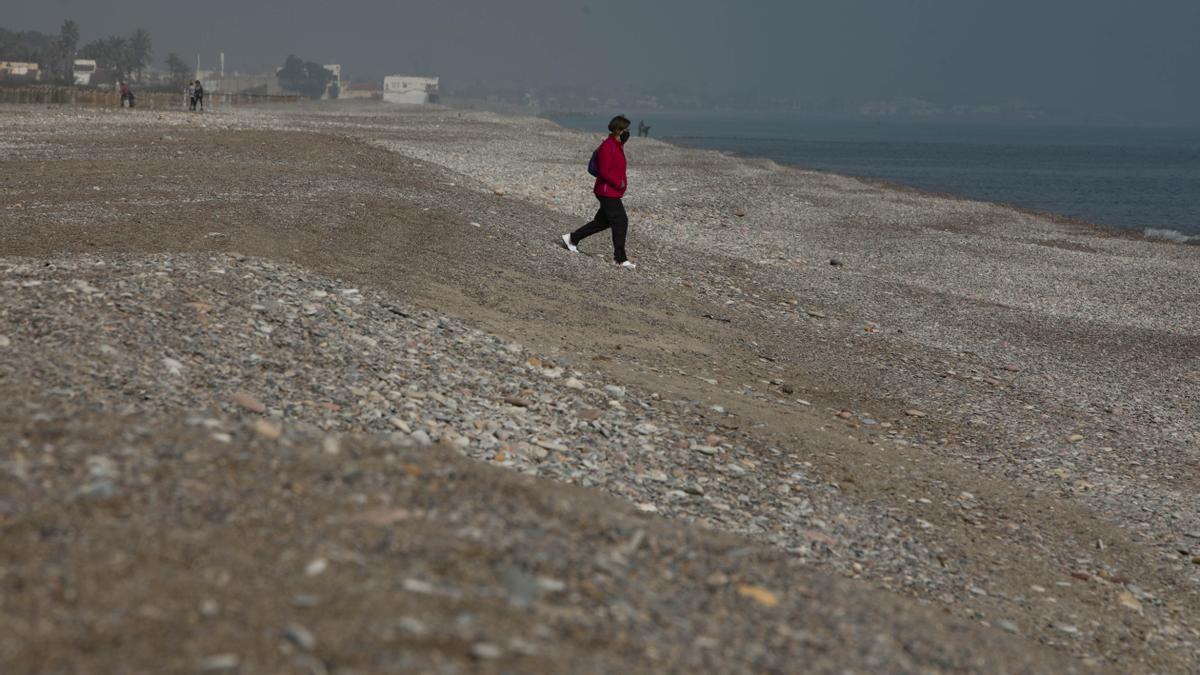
55 54
127 56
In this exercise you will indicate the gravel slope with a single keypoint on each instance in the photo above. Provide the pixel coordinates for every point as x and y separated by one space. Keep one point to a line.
172 505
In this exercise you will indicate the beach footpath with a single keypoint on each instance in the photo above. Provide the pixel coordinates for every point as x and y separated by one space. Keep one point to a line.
316 389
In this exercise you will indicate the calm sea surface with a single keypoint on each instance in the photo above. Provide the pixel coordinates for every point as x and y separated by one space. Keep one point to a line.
1143 179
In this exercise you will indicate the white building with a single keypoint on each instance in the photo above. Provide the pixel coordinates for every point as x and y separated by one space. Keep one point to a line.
19 70
83 71
408 89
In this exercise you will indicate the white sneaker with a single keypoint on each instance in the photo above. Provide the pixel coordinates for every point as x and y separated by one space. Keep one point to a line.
628 264
566 240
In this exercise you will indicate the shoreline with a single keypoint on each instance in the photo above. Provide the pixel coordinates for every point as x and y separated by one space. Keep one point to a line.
1144 233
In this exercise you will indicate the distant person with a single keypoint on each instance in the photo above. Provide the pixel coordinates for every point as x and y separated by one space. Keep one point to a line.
126 96
191 95
199 94
643 129
609 189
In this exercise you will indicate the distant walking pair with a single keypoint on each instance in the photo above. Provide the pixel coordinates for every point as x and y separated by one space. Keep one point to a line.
195 95
608 166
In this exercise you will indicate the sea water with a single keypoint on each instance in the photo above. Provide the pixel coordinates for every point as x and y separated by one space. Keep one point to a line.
1134 178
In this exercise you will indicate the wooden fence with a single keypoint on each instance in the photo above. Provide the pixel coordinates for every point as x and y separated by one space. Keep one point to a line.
149 100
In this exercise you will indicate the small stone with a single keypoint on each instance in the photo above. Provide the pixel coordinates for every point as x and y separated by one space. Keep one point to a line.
614 391
300 636
331 445
268 430
99 490
485 651
418 586
209 608
304 601
1007 625
5 341
551 585
647 507
1075 438
384 516
173 367
1128 601
914 413
413 626
717 579
707 449
758 594
400 424
244 400
316 567
588 414
573 383
218 663
552 446
517 401
421 438
836 262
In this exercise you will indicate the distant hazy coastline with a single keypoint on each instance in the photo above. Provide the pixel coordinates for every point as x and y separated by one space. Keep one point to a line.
1138 180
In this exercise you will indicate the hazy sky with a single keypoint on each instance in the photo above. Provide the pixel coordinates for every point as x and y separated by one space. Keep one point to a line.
1138 59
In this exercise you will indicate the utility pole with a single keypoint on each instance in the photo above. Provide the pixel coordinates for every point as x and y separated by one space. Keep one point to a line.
222 65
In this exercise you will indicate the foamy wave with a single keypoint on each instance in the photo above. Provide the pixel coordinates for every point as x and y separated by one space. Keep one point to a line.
1170 235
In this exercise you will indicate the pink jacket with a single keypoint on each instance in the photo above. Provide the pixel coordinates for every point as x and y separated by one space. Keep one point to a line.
610 160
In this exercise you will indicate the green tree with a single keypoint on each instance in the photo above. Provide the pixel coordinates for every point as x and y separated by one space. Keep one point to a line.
29 46
64 51
180 71
304 77
113 53
139 48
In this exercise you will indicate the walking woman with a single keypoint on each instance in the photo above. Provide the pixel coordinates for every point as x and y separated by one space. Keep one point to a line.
609 189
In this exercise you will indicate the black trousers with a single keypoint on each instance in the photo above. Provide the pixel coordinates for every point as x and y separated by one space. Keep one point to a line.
611 215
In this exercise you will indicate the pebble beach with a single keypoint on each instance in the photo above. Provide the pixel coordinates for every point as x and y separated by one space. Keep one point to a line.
321 385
